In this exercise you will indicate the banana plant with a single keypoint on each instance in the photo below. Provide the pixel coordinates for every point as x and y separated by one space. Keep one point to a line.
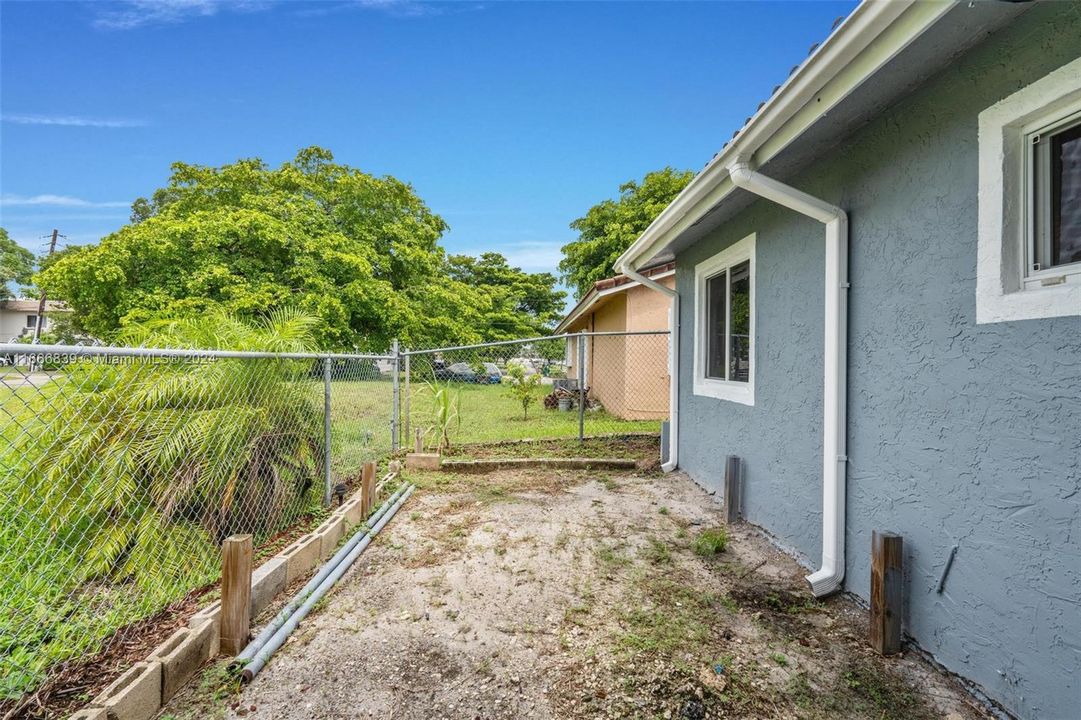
446 403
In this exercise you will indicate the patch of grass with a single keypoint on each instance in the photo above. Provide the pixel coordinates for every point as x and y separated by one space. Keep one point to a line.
489 494
799 690
710 541
662 510
658 552
876 692
779 658
672 619
611 558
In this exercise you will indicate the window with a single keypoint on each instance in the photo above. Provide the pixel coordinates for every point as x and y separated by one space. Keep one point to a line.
1029 250
31 321
724 310
1054 196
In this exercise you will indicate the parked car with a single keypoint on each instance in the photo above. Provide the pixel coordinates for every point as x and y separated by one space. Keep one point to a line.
458 372
525 363
493 375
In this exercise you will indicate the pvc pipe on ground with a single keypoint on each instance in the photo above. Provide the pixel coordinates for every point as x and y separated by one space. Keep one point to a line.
282 634
254 646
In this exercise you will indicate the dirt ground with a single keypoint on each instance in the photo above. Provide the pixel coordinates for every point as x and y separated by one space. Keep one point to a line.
571 594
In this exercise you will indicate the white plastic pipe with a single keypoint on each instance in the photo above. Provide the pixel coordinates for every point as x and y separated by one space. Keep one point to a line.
259 661
283 615
673 362
829 576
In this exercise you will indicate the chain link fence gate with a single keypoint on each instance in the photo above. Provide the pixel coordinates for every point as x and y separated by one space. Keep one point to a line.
123 469
584 385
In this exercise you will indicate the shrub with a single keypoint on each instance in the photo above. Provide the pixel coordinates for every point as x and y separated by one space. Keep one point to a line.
711 541
523 388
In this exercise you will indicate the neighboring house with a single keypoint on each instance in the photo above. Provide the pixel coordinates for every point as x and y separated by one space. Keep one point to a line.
627 374
912 359
19 317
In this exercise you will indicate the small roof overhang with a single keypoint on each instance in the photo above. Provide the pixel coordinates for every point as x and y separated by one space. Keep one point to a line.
603 289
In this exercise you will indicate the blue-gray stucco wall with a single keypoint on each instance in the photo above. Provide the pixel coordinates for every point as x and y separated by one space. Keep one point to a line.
958 433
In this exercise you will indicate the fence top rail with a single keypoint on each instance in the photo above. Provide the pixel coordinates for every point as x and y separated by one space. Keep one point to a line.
522 341
179 353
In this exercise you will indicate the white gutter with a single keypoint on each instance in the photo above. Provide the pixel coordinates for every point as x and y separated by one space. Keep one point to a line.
873 33
835 346
673 361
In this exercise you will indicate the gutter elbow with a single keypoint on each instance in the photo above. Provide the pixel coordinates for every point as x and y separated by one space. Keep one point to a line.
741 174
827 580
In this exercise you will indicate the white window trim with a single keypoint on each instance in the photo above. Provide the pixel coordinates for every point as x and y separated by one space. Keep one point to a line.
733 391
1001 295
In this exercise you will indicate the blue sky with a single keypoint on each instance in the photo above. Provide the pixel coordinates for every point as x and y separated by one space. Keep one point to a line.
509 119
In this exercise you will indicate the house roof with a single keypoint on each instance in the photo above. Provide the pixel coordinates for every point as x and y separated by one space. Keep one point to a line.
30 305
607 287
898 43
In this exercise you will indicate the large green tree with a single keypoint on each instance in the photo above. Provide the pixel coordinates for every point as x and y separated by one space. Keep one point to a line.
16 264
609 227
521 303
360 253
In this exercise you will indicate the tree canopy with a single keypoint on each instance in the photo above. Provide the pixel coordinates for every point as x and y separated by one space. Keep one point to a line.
16 264
361 253
609 227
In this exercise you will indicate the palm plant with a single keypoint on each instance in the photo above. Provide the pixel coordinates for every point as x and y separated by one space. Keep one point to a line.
136 471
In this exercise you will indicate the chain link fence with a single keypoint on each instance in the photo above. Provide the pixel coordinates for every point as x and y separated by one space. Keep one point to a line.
123 469
561 387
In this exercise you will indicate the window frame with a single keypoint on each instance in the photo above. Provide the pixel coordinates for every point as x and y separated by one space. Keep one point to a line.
1037 192
1007 286
723 262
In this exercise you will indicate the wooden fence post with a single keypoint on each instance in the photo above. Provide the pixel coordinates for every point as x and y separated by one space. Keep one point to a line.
236 560
887 578
732 487
418 443
367 489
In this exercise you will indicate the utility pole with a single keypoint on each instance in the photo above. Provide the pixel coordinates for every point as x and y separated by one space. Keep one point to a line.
41 302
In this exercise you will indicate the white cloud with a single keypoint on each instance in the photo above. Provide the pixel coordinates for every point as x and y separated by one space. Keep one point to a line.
58 201
131 14
72 121
532 255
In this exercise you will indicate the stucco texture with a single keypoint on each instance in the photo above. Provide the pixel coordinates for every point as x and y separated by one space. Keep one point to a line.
958 433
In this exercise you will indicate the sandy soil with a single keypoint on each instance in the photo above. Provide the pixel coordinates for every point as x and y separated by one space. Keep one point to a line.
548 594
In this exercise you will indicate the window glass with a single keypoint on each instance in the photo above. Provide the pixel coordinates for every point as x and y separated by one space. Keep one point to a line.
716 324
1066 197
740 360
31 320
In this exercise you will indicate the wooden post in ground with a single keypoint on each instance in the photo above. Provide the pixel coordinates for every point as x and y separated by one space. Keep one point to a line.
732 497
367 489
236 560
887 577
418 443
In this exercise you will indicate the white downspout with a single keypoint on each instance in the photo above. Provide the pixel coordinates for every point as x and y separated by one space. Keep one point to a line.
835 386
673 362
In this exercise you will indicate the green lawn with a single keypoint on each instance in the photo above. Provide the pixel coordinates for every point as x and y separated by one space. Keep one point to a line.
361 412
489 414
